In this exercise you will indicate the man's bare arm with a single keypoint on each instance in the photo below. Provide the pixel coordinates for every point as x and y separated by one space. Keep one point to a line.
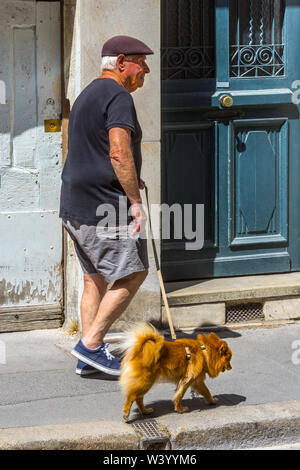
123 162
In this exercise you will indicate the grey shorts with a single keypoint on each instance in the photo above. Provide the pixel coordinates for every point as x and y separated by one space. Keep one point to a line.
113 257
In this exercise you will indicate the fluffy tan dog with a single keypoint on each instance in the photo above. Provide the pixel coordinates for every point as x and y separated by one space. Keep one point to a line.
185 362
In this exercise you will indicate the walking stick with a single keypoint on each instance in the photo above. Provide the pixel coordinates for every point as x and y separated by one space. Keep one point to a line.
161 283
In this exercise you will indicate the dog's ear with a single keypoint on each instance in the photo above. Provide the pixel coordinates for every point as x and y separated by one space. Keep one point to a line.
213 339
200 337
223 349
213 336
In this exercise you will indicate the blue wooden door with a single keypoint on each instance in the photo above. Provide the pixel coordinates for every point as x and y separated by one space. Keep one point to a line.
230 133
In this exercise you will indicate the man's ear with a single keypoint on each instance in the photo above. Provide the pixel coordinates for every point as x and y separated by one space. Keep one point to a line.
120 62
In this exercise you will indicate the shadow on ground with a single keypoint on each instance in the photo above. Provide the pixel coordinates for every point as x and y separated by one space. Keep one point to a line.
223 333
164 407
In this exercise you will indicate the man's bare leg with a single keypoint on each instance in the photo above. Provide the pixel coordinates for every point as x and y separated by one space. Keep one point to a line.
113 304
93 292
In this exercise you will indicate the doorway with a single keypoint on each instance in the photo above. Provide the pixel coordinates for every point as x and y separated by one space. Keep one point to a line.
229 134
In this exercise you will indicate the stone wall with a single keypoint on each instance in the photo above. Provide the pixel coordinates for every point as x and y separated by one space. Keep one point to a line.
89 24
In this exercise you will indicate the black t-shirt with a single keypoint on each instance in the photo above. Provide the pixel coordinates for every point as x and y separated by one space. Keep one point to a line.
88 177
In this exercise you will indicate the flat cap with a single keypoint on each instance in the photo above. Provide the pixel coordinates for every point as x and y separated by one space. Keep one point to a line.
125 45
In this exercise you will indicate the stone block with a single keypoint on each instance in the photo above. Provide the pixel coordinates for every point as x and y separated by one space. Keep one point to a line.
196 315
284 309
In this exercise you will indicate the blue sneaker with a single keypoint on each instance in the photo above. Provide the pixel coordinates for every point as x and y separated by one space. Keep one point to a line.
84 369
99 358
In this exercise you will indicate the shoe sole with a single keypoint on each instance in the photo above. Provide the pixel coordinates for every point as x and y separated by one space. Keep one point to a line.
95 364
86 372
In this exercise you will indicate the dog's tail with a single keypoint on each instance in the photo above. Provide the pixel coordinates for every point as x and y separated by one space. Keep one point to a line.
143 343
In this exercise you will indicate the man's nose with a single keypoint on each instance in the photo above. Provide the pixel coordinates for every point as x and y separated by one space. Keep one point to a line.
146 69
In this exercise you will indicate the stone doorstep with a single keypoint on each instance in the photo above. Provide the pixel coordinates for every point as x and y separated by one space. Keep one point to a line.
233 288
203 302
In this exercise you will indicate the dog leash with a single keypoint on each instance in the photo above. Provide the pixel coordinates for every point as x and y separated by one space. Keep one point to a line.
161 282
162 287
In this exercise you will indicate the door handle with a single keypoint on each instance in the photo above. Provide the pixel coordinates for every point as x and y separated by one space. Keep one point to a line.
226 101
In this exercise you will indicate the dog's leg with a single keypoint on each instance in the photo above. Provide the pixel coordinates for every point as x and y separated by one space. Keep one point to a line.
182 387
137 395
141 406
127 406
201 388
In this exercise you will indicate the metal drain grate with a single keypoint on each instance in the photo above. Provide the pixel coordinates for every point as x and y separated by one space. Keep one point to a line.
151 436
244 312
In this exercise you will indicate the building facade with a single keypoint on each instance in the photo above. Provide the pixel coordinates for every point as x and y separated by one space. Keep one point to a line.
220 119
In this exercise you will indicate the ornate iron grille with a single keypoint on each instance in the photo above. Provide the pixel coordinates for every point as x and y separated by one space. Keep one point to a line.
188 39
256 38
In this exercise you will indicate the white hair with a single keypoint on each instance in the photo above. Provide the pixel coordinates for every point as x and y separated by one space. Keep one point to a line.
109 63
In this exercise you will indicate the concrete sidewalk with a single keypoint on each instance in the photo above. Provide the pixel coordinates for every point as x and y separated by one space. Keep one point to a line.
44 404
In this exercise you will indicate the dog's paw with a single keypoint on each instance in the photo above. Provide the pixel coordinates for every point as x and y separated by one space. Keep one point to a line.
147 411
125 418
182 409
213 401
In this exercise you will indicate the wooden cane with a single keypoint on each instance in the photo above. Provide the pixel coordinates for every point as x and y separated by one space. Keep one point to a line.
161 282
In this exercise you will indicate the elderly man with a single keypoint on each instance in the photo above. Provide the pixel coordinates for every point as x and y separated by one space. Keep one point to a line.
103 168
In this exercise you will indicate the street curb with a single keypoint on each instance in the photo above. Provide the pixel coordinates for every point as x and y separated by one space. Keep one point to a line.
235 427
99 435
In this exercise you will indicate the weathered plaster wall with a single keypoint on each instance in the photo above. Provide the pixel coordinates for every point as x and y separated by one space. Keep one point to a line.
95 21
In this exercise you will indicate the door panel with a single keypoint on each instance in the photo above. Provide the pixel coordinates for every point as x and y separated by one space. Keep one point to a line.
259 204
189 162
253 151
30 159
